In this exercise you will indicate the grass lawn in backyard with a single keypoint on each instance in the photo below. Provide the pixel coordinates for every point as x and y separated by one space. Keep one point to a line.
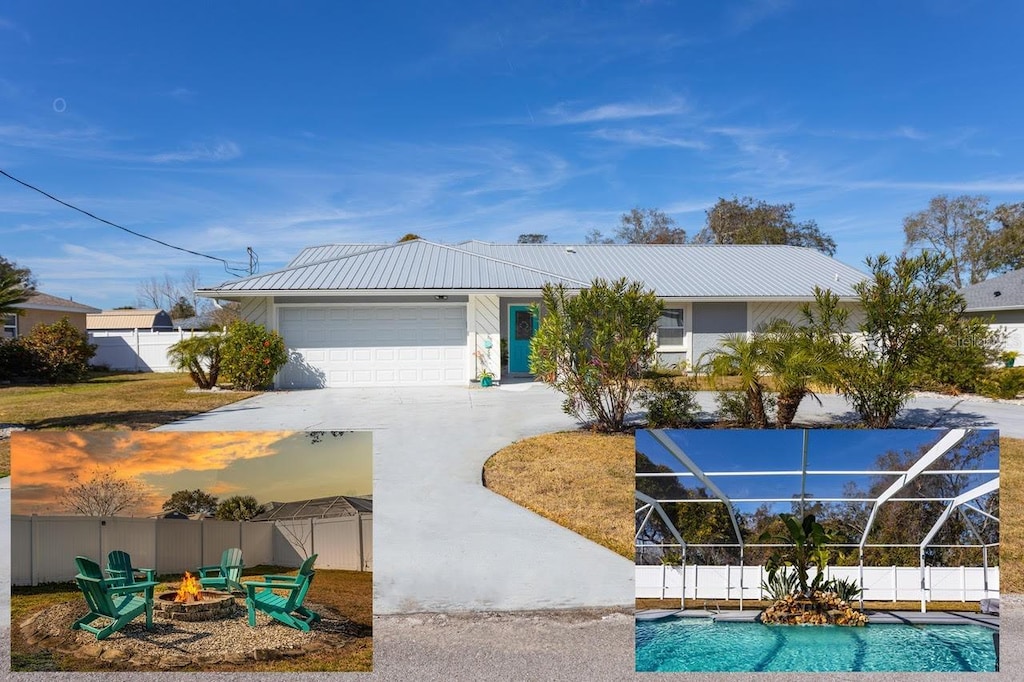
348 592
117 401
585 481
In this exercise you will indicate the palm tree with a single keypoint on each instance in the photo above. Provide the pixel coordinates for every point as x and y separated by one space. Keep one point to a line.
12 292
742 356
795 362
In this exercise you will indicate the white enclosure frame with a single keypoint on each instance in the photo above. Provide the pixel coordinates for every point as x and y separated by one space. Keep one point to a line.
960 504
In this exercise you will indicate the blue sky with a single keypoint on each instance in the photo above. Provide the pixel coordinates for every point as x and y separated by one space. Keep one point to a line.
738 450
217 126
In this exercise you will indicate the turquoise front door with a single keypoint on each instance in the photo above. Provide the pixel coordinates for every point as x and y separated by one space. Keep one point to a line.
522 323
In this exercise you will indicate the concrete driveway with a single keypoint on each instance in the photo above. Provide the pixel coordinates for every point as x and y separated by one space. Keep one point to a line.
443 542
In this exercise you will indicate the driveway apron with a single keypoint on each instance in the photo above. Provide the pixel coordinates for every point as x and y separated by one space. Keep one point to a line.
443 542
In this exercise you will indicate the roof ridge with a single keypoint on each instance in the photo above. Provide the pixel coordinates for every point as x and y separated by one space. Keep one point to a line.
510 263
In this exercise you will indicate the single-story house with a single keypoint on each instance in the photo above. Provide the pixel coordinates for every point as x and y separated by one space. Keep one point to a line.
1001 299
422 313
43 308
317 508
129 319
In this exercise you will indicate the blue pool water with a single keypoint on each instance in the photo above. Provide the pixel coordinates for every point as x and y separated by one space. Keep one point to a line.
701 645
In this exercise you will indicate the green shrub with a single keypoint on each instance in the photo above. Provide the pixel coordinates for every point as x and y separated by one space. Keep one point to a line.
200 356
734 406
16 361
1006 383
780 583
844 588
60 352
251 355
669 404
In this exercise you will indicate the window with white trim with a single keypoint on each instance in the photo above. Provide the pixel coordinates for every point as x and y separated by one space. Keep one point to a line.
10 326
670 327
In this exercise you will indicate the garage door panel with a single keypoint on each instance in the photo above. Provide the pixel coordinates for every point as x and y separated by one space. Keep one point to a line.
374 345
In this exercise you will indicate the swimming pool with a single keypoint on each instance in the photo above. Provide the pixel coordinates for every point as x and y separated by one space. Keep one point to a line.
702 645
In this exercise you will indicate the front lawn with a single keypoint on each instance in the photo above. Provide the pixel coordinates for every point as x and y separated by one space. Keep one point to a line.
585 482
350 593
119 401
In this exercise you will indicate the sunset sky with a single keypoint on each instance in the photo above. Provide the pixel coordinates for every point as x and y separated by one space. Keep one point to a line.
279 466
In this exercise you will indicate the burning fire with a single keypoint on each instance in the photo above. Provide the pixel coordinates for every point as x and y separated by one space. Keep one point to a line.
190 589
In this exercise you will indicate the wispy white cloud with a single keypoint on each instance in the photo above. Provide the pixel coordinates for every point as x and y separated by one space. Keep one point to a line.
564 114
8 25
644 138
180 93
747 15
904 132
221 150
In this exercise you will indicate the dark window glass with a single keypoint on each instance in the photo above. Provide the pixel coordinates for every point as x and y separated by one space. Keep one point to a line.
524 325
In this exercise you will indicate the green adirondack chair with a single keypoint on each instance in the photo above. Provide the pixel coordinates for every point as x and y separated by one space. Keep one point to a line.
225 575
288 608
120 604
121 572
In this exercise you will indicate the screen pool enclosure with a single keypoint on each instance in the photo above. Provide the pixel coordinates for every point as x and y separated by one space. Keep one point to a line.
923 497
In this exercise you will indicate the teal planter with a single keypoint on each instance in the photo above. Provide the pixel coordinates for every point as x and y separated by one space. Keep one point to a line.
486 381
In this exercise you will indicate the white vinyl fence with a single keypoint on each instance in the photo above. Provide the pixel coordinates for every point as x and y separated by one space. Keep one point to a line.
137 350
881 583
43 548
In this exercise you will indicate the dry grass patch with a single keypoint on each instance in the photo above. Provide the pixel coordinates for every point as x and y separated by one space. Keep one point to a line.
127 402
582 481
1011 507
348 592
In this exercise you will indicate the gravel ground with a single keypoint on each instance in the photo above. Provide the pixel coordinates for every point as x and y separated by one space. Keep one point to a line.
228 639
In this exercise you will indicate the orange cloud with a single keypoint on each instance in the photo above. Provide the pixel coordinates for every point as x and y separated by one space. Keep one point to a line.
43 464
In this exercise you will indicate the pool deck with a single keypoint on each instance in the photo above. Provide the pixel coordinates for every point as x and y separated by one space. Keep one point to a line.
874 616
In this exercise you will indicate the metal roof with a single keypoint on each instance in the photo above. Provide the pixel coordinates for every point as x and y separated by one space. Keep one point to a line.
1005 291
317 508
684 271
40 301
128 319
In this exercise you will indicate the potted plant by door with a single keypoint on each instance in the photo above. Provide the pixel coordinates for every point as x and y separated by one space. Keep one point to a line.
1008 357
486 379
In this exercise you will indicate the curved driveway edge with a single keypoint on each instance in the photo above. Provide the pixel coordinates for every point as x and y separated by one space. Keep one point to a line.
443 542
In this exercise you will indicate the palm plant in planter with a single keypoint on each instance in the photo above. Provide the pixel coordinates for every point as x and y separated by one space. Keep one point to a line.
799 598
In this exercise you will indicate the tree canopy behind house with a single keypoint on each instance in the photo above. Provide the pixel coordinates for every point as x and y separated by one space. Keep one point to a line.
752 221
977 240
190 502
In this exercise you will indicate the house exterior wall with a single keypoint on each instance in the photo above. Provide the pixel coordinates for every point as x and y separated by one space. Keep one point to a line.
711 321
483 335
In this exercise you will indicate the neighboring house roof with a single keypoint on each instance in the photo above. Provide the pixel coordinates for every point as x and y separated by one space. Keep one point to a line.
195 323
684 271
129 319
41 301
318 508
998 293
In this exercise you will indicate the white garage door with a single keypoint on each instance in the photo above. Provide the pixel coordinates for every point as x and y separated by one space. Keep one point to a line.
354 345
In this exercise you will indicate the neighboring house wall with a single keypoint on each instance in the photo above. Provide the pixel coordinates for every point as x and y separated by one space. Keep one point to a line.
713 320
137 350
30 318
1011 323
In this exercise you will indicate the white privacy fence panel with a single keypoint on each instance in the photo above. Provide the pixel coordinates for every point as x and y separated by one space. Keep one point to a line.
128 535
43 548
258 540
138 350
881 583
180 546
342 543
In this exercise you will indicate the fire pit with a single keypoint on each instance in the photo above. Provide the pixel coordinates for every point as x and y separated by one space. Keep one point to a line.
192 603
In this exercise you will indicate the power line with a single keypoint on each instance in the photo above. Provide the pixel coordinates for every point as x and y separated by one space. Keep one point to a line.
228 267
